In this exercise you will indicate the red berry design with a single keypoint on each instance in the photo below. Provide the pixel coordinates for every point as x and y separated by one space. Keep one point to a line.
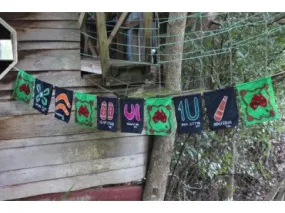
151 131
272 113
168 107
249 118
242 92
91 103
149 108
266 86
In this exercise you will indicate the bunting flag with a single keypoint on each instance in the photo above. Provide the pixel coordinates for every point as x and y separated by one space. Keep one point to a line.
42 96
159 116
188 111
221 108
132 115
63 104
107 113
24 87
84 109
258 101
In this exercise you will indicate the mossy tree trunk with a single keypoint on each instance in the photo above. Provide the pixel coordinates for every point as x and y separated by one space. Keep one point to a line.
159 166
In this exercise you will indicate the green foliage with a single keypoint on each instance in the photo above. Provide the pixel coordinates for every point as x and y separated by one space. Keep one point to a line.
256 50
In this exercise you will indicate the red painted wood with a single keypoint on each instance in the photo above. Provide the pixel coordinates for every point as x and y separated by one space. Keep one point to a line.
116 193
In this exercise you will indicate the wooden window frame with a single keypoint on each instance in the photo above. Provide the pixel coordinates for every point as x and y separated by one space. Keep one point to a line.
14 47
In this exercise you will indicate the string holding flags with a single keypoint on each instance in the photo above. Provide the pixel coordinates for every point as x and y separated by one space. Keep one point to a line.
256 98
258 101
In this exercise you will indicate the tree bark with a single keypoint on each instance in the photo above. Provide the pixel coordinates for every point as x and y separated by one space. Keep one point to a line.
159 166
229 179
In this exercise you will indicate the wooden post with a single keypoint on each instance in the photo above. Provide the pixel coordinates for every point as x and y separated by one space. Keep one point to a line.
103 44
147 35
159 165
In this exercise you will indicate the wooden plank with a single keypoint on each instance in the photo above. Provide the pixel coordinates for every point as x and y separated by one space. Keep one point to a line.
78 182
44 24
120 21
91 65
26 142
64 153
48 46
82 19
57 78
21 176
47 60
147 36
115 193
103 44
39 34
45 16
39 125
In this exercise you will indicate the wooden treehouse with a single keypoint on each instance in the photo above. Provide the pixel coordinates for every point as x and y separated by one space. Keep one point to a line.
41 158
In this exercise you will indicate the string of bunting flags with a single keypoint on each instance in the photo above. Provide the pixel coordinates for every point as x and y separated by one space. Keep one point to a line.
256 98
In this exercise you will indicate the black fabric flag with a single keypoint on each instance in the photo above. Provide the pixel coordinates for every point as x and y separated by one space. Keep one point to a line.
221 108
132 115
107 113
42 96
63 104
188 111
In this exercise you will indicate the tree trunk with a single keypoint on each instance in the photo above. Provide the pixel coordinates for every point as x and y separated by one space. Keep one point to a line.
159 166
229 179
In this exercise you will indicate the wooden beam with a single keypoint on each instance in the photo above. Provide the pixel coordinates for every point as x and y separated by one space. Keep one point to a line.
88 43
117 27
78 183
103 44
82 19
147 35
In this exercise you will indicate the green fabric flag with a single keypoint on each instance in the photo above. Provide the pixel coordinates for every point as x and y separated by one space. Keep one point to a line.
23 89
159 116
257 101
85 109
